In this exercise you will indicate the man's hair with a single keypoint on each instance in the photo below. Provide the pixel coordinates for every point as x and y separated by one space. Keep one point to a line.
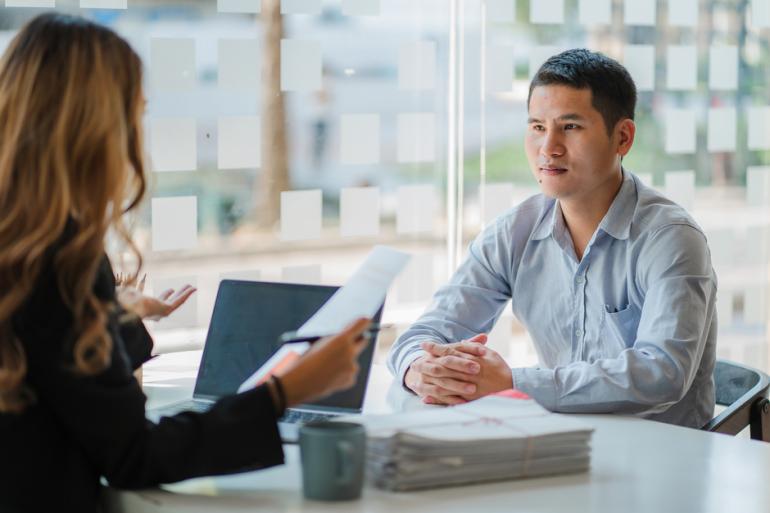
613 92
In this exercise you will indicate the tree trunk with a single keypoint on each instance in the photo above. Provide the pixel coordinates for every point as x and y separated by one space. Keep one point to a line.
274 175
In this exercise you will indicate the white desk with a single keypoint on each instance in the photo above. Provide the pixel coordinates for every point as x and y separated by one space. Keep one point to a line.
637 465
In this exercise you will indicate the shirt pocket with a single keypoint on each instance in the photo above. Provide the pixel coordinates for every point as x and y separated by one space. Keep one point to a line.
617 330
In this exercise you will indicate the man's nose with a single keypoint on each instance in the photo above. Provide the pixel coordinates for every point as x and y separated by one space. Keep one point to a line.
552 145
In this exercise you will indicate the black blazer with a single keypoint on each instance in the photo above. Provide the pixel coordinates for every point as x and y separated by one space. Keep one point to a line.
83 428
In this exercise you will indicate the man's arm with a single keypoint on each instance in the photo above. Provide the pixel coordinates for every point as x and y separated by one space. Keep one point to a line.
660 367
468 305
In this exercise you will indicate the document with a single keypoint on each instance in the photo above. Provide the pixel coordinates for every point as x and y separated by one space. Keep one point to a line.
361 296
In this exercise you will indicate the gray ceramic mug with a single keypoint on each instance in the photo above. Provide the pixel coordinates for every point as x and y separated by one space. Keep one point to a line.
333 456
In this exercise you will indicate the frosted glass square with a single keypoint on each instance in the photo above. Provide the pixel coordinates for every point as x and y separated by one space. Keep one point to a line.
639 60
174 223
172 64
300 6
721 129
104 4
759 128
415 284
301 215
300 65
595 12
680 188
639 12
238 6
760 13
360 139
723 68
683 13
416 137
539 54
239 142
30 3
416 209
417 66
498 198
680 131
682 68
500 68
360 211
302 274
758 186
499 11
173 144
239 64
546 11
361 7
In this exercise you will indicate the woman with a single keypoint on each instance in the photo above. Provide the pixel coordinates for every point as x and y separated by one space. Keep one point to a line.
70 410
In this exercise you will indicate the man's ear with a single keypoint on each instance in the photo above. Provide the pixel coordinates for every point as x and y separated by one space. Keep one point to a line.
625 131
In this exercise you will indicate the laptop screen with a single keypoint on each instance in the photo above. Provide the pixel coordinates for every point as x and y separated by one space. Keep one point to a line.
248 319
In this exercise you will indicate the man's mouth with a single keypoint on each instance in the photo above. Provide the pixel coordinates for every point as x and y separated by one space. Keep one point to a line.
552 170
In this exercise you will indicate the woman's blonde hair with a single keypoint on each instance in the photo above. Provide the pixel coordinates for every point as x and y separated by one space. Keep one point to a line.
70 156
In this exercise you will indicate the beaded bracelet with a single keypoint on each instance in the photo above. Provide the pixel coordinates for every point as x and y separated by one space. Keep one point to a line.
280 393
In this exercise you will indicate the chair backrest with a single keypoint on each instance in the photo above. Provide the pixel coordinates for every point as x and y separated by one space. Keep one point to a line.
740 388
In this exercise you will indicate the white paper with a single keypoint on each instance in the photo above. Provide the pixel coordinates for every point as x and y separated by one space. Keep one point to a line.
595 12
639 12
546 11
174 223
680 131
360 139
300 65
721 129
415 284
758 186
539 54
639 60
680 188
723 68
303 274
498 198
759 128
301 215
499 68
361 7
238 6
681 68
284 357
760 14
683 13
173 144
239 64
416 137
755 305
416 209
30 3
417 66
361 296
104 4
499 11
360 212
300 6
172 64
239 142
186 316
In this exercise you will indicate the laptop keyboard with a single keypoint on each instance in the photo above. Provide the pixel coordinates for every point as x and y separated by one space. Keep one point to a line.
173 409
303 417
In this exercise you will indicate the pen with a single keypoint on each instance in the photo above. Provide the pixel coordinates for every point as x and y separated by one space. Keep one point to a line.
291 337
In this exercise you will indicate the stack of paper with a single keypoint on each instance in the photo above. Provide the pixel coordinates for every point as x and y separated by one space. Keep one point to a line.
491 439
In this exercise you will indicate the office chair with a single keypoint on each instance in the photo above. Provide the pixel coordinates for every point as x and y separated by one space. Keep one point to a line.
744 391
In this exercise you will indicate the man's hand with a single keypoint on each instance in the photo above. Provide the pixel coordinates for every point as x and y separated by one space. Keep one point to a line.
457 373
446 375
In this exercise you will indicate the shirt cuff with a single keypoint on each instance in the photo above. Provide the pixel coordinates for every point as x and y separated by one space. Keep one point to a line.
539 384
405 363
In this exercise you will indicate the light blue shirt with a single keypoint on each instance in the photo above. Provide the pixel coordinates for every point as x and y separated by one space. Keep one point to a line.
630 328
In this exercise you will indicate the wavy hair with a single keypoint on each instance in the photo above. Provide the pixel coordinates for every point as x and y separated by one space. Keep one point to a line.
71 155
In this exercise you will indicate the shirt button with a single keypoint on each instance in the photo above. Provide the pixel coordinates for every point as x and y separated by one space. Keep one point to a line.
580 279
579 333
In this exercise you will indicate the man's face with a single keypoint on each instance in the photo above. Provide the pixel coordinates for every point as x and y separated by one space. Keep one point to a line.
568 148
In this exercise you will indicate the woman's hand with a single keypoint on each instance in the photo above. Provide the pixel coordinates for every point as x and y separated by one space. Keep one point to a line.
328 366
148 307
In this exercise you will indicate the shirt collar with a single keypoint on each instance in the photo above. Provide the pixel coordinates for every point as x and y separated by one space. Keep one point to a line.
616 222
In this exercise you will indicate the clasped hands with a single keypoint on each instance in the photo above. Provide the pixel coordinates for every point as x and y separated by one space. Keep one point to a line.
457 373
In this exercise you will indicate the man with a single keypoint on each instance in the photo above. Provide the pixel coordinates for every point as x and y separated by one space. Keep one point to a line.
612 280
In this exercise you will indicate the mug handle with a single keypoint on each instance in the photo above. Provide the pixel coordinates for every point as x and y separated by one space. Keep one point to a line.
344 462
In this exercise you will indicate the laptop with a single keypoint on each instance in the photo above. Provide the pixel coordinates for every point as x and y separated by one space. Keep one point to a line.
248 319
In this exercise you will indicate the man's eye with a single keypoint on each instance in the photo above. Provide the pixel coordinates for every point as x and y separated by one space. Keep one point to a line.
570 126
538 128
